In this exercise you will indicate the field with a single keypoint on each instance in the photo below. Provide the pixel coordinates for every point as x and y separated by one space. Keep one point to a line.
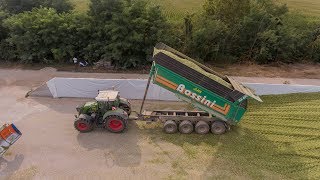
81 5
176 9
170 7
310 7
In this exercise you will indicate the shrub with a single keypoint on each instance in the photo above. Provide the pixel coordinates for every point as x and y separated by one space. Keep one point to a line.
128 29
264 33
43 35
6 51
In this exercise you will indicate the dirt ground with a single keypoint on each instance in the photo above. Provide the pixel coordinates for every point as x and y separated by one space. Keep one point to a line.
51 148
298 70
302 71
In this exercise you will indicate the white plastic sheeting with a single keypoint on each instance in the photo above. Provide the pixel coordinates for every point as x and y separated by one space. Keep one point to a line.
88 88
134 88
268 89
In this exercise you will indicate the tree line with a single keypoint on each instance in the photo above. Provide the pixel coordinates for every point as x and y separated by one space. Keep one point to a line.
125 31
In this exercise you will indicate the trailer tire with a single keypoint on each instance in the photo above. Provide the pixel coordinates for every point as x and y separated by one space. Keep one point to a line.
202 127
170 127
186 127
218 127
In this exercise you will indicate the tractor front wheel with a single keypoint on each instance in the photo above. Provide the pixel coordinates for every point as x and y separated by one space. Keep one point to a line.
83 125
115 124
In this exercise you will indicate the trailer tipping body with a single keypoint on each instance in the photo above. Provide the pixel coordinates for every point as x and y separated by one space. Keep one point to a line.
220 96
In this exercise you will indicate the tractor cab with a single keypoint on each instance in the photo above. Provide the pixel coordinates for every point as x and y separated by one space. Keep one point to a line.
108 99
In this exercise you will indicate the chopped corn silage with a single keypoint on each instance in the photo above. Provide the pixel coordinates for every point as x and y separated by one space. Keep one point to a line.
276 139
193 66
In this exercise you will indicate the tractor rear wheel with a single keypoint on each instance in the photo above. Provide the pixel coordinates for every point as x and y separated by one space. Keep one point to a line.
83 125
202 127
186 127
170 127
115 124
218 127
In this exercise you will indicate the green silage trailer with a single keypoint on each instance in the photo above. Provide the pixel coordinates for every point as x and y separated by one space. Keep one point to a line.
222 100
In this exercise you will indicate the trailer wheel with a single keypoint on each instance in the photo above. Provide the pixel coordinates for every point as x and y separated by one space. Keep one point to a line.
218 127
115 124
170 127
185 127
202 127
83 125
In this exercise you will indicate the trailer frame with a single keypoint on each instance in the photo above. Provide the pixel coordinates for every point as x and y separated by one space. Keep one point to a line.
178 116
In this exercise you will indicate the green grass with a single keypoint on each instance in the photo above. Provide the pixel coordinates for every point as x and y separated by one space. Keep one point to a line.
279 138
157 161
176 10
310 7
81 5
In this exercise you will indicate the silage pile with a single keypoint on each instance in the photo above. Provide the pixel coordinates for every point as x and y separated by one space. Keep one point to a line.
194 66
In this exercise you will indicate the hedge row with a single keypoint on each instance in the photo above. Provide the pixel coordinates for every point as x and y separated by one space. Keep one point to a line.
124 32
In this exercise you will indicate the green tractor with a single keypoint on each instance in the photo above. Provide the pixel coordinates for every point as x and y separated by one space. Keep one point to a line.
109 111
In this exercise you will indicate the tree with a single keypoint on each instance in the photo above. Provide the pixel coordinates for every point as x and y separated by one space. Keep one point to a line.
134 32
104 10
3 30
101 12
128 30
18 6
44 36
243 31
6 51
298 39
208 40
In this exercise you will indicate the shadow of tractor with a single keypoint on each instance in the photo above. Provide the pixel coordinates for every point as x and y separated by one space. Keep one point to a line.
8 167
119 149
